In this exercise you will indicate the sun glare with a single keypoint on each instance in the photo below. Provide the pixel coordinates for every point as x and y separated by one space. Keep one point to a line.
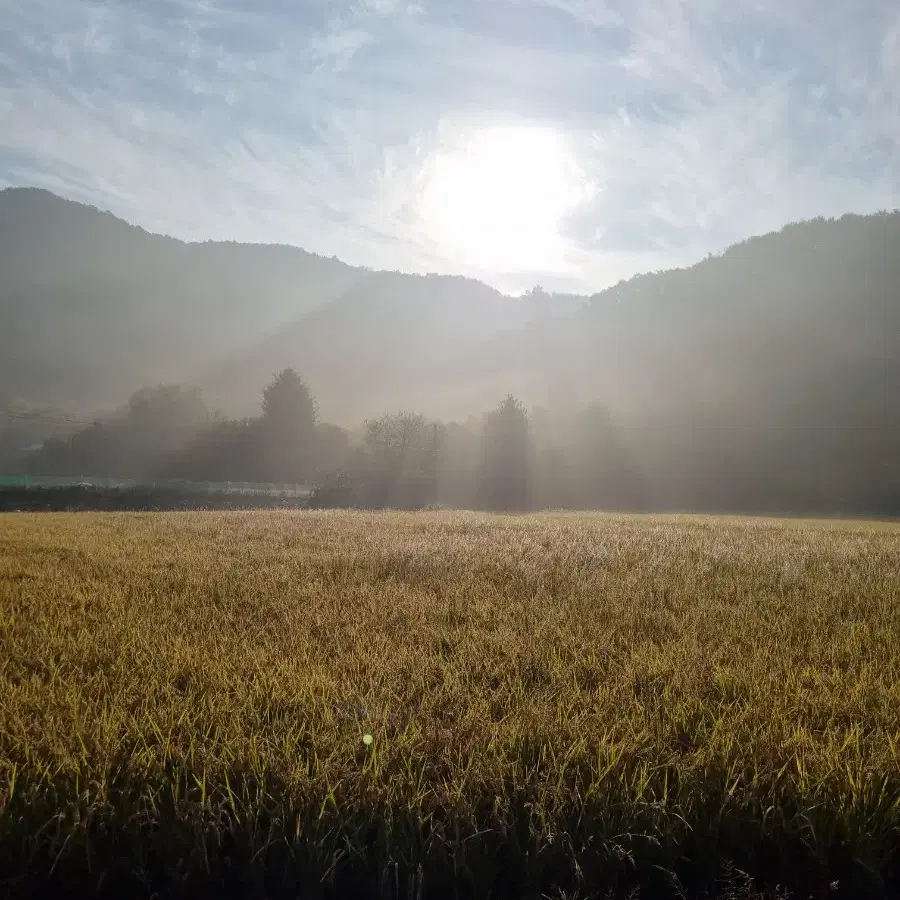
496 199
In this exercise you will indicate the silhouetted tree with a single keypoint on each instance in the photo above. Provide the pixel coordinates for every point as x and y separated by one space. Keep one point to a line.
601 473
226 451
458 465
161 420
23 425
156 423
398 462
504 475
287 429
332 449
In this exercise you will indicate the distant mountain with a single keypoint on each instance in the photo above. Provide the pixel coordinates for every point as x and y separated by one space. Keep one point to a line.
92 308
774 363
392 339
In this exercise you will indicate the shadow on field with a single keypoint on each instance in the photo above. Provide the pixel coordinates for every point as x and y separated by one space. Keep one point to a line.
184 837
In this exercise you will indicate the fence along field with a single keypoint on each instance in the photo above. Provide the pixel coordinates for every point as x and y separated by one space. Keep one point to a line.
559 705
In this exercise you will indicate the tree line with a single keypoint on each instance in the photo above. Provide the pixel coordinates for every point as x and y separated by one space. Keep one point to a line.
402 460
510 459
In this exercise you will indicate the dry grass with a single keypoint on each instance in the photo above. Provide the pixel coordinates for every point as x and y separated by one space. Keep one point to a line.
582 703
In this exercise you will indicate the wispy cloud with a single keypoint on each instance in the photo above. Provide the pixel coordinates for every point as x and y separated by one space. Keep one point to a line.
694 123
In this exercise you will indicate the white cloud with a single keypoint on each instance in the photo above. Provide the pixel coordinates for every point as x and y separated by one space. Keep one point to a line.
590 13
339 46
890 54
390 7
698 122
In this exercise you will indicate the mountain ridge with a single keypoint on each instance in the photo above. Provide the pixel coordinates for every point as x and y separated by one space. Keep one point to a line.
78 266
85 307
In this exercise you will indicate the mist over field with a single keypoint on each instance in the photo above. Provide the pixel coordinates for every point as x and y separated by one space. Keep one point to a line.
450 450
763 379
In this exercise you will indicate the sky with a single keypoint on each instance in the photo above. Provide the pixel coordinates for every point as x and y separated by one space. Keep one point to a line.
567 143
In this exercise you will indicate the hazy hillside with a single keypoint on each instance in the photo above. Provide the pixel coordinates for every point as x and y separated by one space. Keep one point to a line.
770 370
777 362
792 332
92 308
392 339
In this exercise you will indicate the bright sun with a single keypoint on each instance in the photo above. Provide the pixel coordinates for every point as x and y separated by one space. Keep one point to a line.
496 199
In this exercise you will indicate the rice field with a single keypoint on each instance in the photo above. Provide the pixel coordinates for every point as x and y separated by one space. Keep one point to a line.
448 705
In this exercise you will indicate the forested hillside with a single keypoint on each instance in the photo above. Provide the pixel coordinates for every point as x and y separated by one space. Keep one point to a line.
766 378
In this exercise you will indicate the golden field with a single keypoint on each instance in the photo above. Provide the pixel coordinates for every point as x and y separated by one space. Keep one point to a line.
560 705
